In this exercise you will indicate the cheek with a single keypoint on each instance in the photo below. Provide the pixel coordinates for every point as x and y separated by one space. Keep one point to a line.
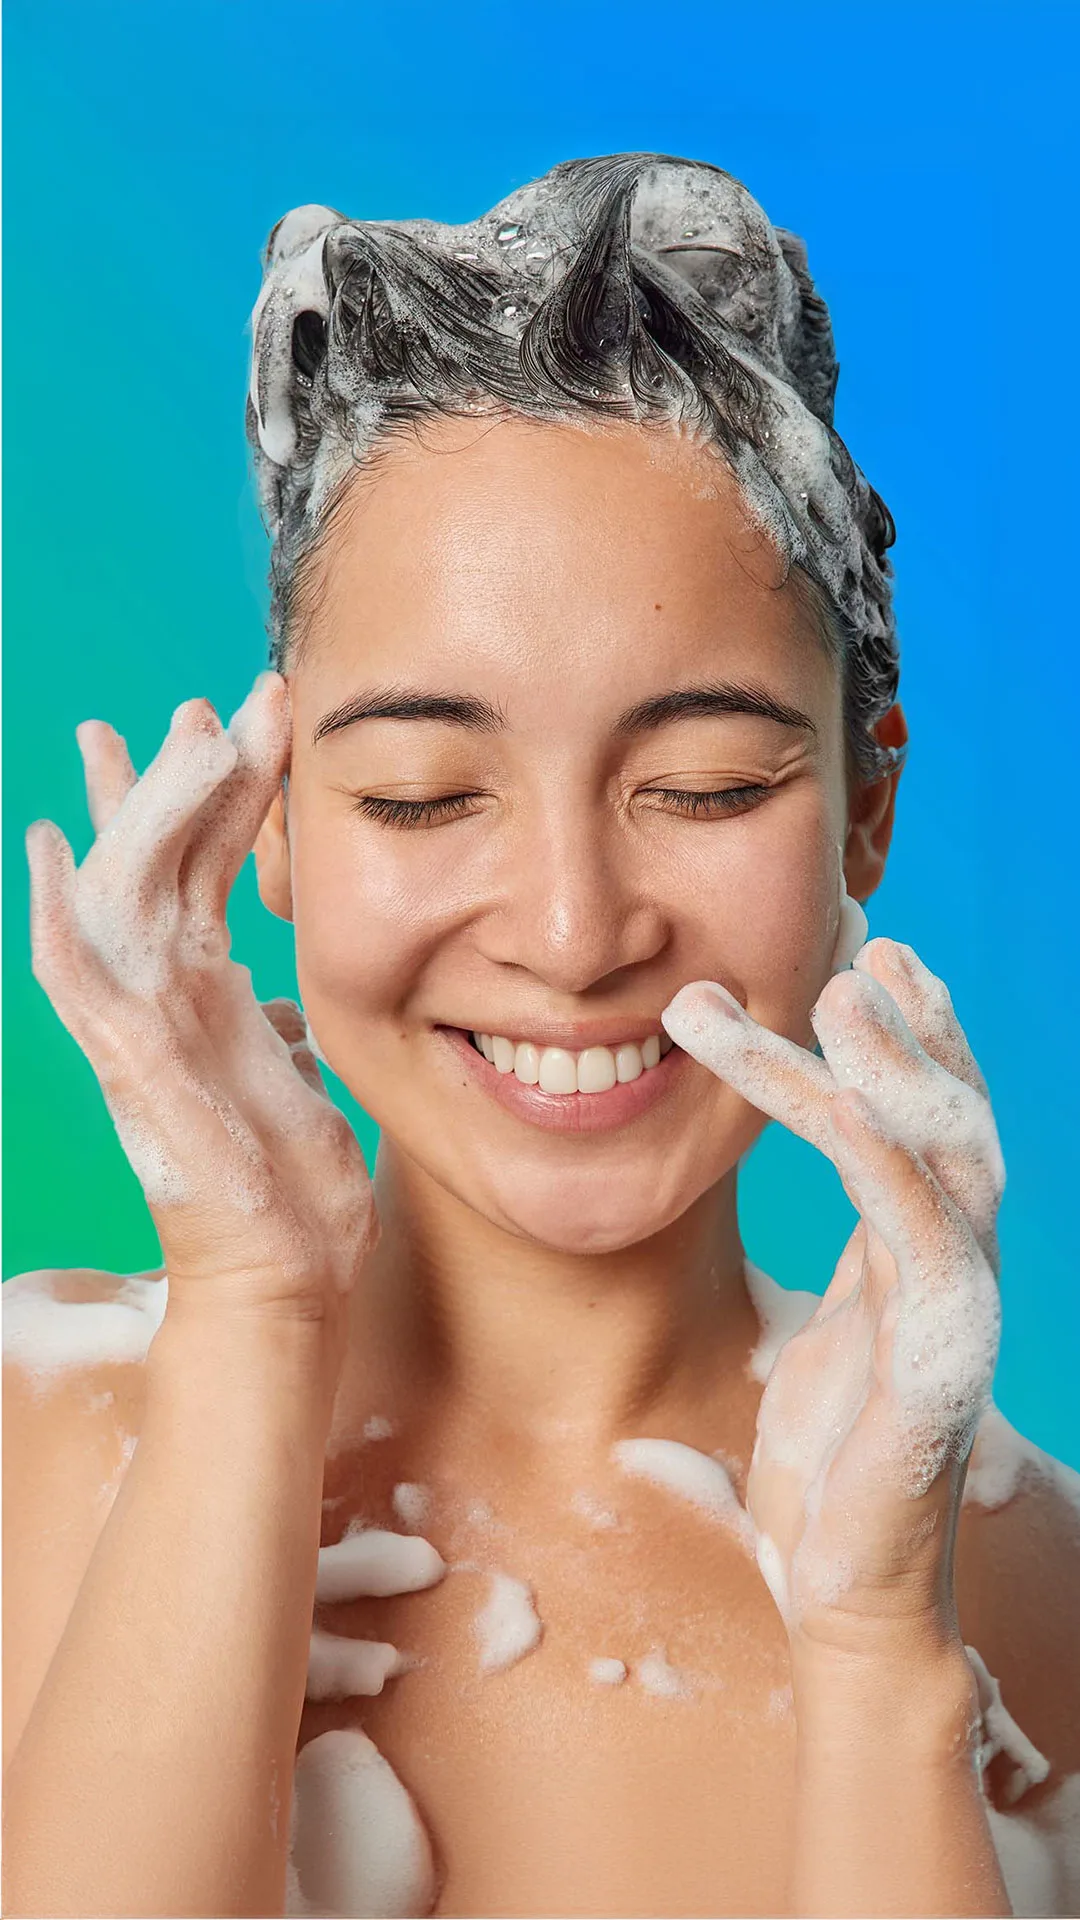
773 904
362 915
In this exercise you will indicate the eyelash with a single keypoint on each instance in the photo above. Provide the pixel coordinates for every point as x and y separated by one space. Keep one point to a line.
414 813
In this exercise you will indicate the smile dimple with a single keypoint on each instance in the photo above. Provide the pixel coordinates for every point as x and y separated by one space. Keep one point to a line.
556 1070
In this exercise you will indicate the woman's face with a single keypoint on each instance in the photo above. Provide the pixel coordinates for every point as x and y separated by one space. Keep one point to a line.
562 578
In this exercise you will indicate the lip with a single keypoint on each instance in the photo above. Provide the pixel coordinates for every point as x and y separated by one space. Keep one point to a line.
572 1112
576 1035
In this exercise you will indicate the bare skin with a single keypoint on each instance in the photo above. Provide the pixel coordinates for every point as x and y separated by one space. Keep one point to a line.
561 577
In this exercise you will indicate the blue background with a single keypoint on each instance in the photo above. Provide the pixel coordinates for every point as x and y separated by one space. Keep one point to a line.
923 153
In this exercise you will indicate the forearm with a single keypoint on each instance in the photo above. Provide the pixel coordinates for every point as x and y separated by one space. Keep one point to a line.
889 1817
154 1776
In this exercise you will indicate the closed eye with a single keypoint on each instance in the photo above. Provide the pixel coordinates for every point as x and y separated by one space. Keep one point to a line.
415 813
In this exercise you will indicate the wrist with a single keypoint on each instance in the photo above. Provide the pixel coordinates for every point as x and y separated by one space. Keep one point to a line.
916 1695
209 1344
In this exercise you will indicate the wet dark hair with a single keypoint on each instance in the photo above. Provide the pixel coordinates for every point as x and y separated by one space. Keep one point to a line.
632 287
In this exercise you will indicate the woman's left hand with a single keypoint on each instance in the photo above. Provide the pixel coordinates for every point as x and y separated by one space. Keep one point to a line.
867 1419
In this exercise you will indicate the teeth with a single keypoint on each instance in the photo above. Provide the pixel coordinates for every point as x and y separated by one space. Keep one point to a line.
555 1070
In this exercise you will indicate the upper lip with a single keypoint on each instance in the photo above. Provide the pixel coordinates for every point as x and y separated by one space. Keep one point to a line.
575 1035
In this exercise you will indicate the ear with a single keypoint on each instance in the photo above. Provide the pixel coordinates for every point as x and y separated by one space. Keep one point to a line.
870 815
272 859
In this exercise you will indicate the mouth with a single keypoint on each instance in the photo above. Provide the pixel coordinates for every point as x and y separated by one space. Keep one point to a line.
611 1105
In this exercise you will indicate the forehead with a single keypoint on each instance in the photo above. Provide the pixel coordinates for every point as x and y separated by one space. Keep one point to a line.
550 553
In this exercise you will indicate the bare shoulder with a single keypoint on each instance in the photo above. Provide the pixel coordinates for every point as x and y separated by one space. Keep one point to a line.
1018 1594
74 1342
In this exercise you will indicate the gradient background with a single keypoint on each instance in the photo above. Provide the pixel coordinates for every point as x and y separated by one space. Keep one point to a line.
921 150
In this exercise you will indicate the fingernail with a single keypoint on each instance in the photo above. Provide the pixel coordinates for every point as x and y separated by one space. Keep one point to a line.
263 679
723 1001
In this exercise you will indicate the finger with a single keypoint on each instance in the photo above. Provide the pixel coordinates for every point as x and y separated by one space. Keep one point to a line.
847 1274
144 841
261 732
868 1045
926 1004
107 766
52 893
781 1079
946 1310
287 1020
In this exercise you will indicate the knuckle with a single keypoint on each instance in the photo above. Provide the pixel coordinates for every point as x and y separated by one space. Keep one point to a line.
896 953
938 995
197 715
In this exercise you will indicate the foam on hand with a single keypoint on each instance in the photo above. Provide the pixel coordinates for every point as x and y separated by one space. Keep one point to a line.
508 1626
313 1043
933 1355
375 1562
358 1845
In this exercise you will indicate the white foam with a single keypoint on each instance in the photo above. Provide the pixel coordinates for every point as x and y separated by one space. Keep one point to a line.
1001 1735
593 1511
694 1476
926 1107
47 1335
165 1183
411 1502
772 1571
135 941
1039 1851
781 1312
313 1043
1001 1462
607 1672
655 1675
376 1562
852 924
339 1668
108 1492
378 1428
781 1703
941 1323
507 1626
799 485
358 1845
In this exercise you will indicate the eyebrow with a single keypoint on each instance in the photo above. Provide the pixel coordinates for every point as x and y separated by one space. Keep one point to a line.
480 716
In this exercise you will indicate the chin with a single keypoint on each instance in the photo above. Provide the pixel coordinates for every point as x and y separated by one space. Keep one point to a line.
582 1213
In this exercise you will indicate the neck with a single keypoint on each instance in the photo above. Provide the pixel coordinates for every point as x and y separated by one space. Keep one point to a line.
528 1346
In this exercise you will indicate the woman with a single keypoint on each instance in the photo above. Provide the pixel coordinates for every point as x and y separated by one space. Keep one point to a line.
635 1590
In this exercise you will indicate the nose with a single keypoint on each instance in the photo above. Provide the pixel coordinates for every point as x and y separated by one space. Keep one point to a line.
577 901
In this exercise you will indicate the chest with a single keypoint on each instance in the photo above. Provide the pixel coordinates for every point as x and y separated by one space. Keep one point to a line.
636 1759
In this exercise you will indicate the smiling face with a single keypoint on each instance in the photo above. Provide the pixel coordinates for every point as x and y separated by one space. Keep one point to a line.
560 582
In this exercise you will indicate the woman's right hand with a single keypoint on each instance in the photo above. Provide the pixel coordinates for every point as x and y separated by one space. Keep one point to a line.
255 1180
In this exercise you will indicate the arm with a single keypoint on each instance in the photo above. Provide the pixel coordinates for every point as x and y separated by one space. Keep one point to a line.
155 1770
155 1773
889 1816
864 1429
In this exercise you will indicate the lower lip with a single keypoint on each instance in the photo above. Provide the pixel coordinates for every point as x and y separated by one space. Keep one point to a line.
573 1112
